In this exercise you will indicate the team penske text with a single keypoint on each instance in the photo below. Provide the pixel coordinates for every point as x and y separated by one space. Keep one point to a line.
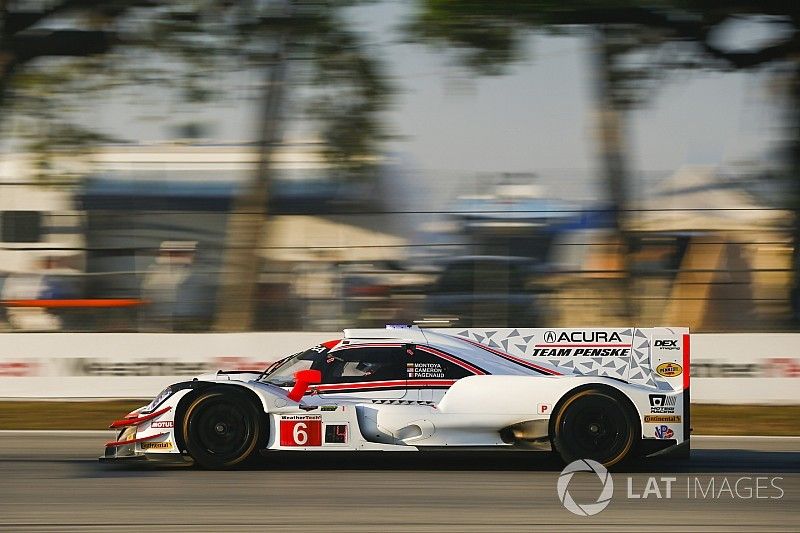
581 352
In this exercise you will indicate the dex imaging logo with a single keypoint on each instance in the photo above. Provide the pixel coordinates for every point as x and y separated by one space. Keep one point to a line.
585 509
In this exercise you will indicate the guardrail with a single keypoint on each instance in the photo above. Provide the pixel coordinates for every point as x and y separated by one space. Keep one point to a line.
729 368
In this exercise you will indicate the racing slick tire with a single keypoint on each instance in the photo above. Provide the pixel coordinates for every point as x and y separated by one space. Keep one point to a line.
598 424
222 429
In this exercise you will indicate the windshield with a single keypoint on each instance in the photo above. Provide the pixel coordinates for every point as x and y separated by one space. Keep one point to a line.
283 373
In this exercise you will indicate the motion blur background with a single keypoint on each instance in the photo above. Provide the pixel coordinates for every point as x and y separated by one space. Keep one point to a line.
211 165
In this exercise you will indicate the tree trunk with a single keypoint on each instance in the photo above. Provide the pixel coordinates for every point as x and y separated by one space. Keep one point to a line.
612 133
242 260
794 170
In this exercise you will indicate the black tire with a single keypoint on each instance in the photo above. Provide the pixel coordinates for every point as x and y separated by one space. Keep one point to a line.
223 428
595 424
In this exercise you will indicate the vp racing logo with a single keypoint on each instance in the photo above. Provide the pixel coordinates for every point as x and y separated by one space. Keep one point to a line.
585 509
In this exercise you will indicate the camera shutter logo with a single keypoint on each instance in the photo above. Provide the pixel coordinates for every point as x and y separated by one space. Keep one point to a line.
586 509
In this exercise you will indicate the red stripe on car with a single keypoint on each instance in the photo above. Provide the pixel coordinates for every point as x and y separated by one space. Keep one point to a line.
686 361
136 421
377 345
510 357
584 345
397 383
452 359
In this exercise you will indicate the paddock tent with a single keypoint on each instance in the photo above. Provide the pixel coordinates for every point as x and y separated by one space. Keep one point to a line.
696 199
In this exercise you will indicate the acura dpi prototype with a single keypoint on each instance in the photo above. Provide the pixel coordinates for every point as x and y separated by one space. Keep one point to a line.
612 395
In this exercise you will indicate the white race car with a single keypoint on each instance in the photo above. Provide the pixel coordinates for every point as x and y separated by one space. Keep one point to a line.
611 395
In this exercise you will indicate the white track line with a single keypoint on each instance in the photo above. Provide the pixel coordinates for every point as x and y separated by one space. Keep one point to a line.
105 432
747 437
64 432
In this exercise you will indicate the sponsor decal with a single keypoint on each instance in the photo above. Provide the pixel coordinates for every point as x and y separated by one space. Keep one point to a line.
162 424
18 369
90 366
328 408
551 337
581 352
544 408
667 344
425 370
664 432
774 367
335 433
662 404
669 370
84 366
649 419
301 430
156 445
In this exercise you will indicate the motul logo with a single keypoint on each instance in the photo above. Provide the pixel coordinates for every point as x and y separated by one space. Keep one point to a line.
582 336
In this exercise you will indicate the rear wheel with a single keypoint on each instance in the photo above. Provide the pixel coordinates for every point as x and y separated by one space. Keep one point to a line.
222 429
595 424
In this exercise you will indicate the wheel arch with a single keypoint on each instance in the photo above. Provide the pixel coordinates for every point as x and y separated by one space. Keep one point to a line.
596 386
183 403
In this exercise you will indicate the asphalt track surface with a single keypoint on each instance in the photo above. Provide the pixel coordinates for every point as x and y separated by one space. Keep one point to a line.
52 481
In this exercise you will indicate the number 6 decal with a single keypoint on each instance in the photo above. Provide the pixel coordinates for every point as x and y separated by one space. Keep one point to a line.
299 434
299 430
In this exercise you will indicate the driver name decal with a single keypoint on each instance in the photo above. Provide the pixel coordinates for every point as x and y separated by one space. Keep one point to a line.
425 370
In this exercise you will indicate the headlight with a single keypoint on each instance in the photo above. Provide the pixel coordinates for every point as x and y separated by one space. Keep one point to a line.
163 395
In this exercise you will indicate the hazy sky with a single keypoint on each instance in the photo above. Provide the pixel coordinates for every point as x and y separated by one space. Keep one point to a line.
537 117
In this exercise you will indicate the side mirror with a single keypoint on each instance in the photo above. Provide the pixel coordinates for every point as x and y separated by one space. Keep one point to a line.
302 379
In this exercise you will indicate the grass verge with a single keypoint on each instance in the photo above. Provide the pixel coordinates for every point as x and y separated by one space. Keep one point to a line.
706 419
64 415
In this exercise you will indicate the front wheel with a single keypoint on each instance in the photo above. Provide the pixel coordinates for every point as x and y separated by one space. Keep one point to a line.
595 424
222 429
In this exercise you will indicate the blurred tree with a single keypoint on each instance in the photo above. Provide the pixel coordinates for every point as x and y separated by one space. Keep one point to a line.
679 34
183 45
489 36
347 93
27 40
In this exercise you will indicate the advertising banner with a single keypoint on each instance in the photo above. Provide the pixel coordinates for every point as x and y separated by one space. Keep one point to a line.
732 368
